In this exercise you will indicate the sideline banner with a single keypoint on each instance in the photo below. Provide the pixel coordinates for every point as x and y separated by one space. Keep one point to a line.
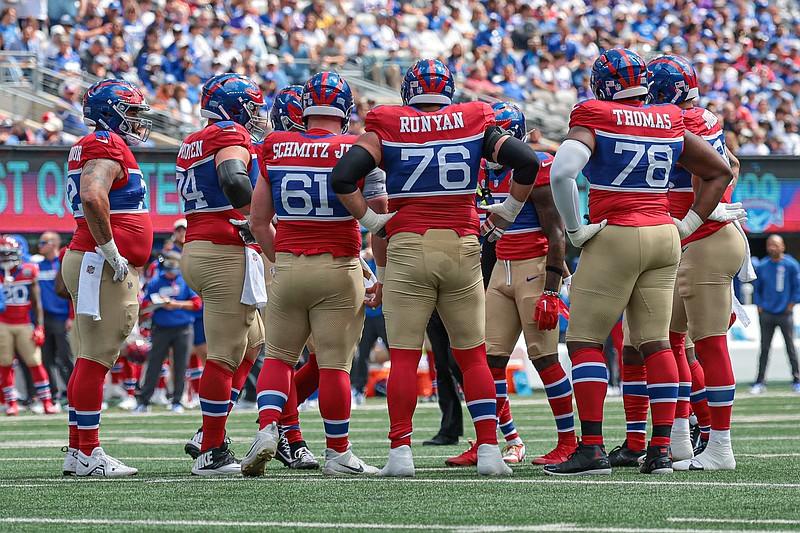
33 180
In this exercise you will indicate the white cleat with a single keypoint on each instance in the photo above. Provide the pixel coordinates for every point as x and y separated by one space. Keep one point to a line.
514 454
160 398
345 464
490 461
115 390
101 464
718 455
128 403
680 440
399 464
70 461
263 450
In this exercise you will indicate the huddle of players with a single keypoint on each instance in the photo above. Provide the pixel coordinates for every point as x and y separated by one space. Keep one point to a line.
314 179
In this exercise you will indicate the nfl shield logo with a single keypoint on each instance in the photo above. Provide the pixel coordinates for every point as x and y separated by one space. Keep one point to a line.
90 269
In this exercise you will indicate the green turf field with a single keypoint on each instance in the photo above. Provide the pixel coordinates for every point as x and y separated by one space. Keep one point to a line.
763 494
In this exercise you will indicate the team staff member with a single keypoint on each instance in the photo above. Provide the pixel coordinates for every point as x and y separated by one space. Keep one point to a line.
107 194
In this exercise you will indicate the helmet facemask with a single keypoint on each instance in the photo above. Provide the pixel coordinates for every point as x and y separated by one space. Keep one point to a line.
256 124
134 128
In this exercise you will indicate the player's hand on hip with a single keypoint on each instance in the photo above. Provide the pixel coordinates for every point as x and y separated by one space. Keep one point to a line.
244 231
494 227
118 263
375 222
501 210
728 212
581 236
546 312
374 296
38 336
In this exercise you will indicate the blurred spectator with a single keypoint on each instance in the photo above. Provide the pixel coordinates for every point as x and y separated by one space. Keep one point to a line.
66 59
511 89
755 143
296 55
478 81
52 132
70 110
9 27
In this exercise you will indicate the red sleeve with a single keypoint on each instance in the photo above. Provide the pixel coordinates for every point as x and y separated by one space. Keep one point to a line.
197 303
488 115
584 114
106 145
374 121
543 177
220 138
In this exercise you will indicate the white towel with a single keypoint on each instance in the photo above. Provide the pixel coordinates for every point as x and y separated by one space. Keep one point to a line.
746 273
89 285
254 291
738 309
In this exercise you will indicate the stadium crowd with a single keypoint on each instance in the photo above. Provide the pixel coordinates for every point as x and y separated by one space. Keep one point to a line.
746 53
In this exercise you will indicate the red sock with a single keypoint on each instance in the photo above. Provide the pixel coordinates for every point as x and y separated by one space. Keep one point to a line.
41 383
163 375
117 370
500 390
306 379
73 421
401 394
130 376
290 418
559 394
676 341
7 381
720 383
239 377
479 392
193 373
334 406
506 423
273 389
215 396
662 387
699 399
87 393
637 403
590 382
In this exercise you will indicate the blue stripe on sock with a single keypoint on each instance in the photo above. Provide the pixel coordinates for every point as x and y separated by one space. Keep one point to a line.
634 388
698 396
336 428
558 389
482 409
508 428
73 419
663 392
214 407
87 419
234 395
565 423
636 427
271 399
721 396
586 372
684 391
501 388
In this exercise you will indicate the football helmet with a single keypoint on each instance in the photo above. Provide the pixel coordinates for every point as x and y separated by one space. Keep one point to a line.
236 98
287 110
170 262
618 74
328 94
510 117
428 81
10 253
137 350
114 105
671 79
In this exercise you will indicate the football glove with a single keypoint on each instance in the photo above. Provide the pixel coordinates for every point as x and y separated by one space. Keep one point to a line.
581 236
244 231
38 336
494 227
110 253
728 212
546 312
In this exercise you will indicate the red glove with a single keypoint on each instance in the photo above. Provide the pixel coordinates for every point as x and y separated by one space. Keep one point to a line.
546 312
38 336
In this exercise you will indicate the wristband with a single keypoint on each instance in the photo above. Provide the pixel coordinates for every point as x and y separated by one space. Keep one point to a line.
549 293
109 249
513 205
554 270
369 220
380 274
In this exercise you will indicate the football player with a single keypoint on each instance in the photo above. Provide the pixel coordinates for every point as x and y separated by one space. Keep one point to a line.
216 170
631 247
107 194
21 326
522 296
711 257
431 151
318 283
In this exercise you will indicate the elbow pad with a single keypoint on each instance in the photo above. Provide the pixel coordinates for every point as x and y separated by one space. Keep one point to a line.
351 168
521 157
235 182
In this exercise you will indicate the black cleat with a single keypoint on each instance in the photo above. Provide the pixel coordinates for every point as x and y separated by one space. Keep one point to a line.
216 461
700 447
296 456
588 460
441 440
657 461
624 456
194 445
284 451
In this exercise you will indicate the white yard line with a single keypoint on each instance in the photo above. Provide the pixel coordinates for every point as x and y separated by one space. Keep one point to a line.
779 521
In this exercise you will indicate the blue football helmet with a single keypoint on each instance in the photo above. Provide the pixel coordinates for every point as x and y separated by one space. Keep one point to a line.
287 110
618 74
671 79
236 98
510 117
327 94
428 81
114 105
